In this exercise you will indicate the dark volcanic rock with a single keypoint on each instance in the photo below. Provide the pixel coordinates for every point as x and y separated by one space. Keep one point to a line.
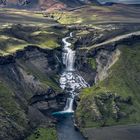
29 77
83 66
6 59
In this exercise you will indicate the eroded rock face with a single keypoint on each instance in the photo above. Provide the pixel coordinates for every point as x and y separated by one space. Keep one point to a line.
105 59
9 129
94 65
84 67
98 109
26 74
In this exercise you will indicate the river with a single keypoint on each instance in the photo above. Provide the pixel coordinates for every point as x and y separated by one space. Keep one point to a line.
70 82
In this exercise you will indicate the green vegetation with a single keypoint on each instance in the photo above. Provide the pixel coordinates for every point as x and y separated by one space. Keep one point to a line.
78 16
46 80
82 32
92 14
43 134
16 37
28 17
7 102
92 62
123 83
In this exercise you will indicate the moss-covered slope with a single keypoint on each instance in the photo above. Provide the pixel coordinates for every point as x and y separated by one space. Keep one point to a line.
30 73
116 99
16 37
43 134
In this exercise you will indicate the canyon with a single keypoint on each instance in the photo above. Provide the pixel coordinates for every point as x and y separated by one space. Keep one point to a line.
69 73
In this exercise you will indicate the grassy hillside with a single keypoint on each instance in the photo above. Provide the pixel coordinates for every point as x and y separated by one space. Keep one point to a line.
115 100
16 37
43 134
19 82
16 16
25 78
20 28
12 114
93 14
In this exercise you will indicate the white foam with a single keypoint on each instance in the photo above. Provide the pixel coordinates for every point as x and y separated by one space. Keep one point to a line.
69 79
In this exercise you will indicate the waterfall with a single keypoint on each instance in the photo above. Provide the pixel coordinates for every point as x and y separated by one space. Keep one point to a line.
68 55
70 81
69 105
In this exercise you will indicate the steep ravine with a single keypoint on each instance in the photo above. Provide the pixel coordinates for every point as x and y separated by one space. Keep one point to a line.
103 60
29 86
31 91
29 83
71 83
113 100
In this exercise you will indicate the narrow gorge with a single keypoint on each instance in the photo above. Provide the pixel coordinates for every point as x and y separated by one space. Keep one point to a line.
71 83
69 70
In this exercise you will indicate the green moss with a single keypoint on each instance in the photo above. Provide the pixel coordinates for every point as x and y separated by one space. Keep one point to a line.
16 37
82 33
92 62
43 134
49 44
85 15
9 104
124 79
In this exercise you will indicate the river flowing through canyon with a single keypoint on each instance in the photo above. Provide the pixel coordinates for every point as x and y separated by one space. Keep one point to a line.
71 83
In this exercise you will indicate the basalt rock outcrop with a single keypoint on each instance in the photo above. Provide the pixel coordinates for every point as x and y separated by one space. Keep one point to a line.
102 107
106 35
29 87
84 67
95 55
95 66
106 103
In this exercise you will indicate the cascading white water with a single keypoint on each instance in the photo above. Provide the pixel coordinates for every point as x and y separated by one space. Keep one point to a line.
69 80
68 55
69 105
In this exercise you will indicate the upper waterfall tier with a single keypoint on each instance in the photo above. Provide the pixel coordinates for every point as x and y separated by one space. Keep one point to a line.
70 81
68 55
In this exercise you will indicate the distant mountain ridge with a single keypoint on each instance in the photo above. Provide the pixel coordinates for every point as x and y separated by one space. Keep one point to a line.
120 1
46 4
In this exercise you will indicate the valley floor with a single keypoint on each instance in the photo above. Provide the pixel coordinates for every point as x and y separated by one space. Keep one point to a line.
124 132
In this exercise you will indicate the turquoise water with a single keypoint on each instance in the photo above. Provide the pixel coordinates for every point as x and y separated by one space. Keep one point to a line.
66 129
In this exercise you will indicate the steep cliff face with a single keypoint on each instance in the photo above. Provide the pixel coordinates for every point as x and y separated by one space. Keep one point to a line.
86 66
26 78
93 60
114 97
105 59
